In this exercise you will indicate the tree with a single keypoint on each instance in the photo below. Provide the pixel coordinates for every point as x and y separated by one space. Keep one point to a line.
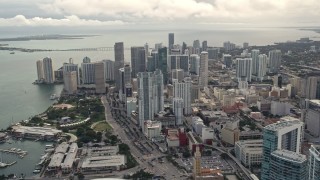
80 131
186 154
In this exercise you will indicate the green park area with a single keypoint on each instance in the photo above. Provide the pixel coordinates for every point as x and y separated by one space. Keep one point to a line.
101 126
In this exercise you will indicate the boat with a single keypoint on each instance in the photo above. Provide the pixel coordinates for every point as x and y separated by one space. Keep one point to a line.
48 146
12 53
36 171
3 165
53 96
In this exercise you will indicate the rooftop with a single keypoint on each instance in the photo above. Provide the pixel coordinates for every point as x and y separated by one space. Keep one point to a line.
315 101
68 161
281 125
289 156
103 161
35 130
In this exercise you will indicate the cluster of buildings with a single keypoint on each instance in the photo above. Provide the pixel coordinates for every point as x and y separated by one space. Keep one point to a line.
35 133
68 158
171 87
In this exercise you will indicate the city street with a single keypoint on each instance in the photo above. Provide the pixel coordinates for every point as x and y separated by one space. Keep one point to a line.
147 161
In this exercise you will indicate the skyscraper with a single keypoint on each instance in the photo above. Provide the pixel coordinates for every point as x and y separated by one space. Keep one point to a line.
244 67
118 61
125 79
108 69
262 66
287 165
204 45
312 83
69 67
99 78
284 135
255 58
163 64
138 60
314 162
40 70
48 71
145 97
213 53
70 81
203 74
158 95
171 41
178 110
274 61
194 64
86 60
88 73
183 90
227 60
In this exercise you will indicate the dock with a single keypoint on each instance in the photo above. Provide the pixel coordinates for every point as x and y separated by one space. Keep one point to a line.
20 153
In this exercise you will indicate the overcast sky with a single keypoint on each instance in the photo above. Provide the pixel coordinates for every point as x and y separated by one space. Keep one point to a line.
120 12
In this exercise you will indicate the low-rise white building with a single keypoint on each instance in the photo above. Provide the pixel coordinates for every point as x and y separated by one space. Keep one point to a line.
103 163
249 152
152 129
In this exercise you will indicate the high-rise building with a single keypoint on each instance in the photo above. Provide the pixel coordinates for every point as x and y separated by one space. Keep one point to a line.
86 60
194 63
212 53
262 66
158 95
163 64
245 45
138 60
312 83
255 58
274 61
227 60
70 80
145 97
118 62
109 69
151 64
99 78
178 110
88 73
314 162
171 41
184 63
48 70
287 165
312 117
177 74
228 46
183 90
204 45
40 70
69 67
284 135
197 163
157 46
203 74
244 67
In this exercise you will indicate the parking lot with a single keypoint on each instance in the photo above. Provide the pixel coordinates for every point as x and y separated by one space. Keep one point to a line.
214 162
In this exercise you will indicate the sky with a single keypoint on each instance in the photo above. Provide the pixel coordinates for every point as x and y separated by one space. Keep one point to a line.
93 13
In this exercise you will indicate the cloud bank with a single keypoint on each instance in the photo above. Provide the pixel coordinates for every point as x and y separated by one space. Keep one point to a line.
109 12
72 20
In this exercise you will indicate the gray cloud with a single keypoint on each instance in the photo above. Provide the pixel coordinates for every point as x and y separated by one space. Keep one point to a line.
260 12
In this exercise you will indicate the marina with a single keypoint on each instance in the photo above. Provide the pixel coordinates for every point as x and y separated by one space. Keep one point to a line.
15 151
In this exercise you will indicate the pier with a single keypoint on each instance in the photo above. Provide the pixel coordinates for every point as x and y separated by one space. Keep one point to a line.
18 152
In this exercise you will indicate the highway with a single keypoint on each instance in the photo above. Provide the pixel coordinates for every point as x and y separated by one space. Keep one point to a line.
147 161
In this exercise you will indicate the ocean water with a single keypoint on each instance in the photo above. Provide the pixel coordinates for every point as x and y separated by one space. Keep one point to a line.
20 99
